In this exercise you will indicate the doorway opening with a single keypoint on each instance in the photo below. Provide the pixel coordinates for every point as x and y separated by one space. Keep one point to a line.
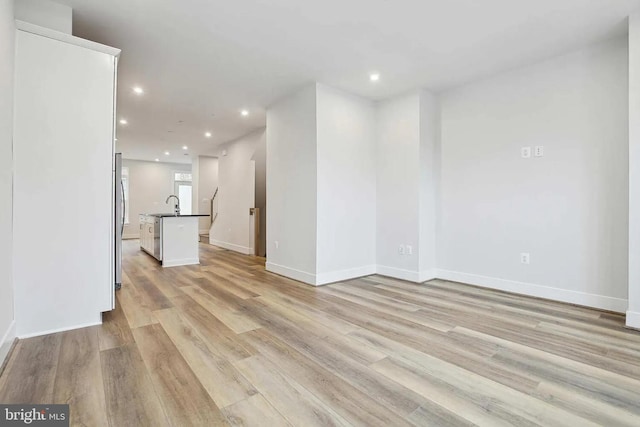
182 187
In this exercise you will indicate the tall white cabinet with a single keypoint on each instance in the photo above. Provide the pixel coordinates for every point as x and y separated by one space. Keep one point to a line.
63 180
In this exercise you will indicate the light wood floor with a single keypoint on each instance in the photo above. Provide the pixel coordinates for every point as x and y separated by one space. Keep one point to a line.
228 343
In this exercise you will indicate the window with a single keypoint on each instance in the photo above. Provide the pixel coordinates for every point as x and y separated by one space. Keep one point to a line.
125 191
182 188
182 176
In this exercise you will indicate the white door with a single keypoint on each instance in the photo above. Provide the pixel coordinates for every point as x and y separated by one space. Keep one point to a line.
184 192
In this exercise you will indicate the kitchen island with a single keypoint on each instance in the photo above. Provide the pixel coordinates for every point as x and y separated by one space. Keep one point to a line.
171 239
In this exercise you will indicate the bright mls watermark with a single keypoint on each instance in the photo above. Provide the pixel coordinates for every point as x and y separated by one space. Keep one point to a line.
34 415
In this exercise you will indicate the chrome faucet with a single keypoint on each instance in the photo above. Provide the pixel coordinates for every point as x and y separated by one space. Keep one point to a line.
177 206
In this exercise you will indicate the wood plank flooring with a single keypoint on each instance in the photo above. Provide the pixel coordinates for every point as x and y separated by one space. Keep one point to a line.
226 343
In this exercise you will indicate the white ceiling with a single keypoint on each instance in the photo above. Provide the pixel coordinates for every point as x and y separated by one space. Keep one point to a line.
202 61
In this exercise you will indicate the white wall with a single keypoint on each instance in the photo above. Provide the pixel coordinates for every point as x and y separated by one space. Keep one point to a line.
346 186
260 160
45 13
236 194
407 186
207 184
150 183
291 185
568 209
7 35
633 313
195 188
398 182
429 172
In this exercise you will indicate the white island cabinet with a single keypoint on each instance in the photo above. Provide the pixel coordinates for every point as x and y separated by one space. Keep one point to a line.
171 239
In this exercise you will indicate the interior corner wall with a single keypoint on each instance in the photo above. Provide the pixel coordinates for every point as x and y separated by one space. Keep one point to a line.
407 186
633 312
45 13
569 209
236 192
398 186
195 187
292 186
429 171
346 186
7 36
207 184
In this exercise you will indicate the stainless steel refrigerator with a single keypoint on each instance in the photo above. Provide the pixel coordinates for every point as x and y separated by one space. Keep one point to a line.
118 217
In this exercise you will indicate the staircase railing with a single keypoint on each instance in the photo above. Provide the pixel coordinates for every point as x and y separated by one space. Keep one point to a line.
213 215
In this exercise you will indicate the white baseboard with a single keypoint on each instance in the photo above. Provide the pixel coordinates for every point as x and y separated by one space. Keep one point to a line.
426 275
7 341
205 231
292 273
66 328
557 294
179 262
351 273
131 236
633 319
408 275
231 246
539 291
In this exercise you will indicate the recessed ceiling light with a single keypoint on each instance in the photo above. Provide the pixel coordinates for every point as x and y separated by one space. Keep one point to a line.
184 147
207 134
245 113
123 121
374 77
166 153
138 90
157 160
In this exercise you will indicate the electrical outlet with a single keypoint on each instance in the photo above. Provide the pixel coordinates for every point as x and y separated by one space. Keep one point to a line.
409 250
525 152
524 258
538 151
401 249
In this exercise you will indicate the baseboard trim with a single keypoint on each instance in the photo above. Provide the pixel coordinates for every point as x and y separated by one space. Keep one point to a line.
633 319
179 262
63 329
426 275
340 275
7 342
408 275
556 294
529 289
292 273
130 236
231 246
